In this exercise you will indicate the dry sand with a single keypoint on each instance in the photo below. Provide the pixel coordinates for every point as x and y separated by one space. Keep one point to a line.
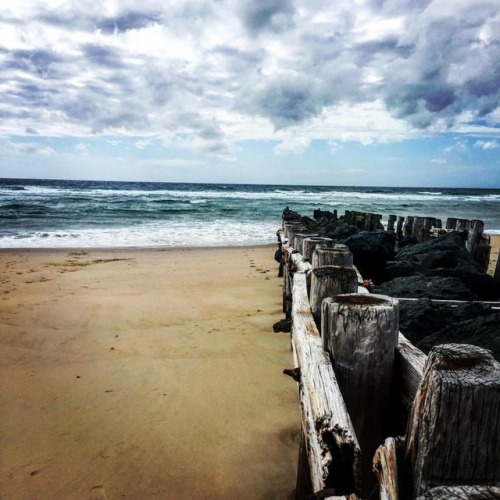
144 374
494 255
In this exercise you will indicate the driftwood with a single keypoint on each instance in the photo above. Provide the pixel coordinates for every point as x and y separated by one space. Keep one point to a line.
454 426
332 448
386 469
361 333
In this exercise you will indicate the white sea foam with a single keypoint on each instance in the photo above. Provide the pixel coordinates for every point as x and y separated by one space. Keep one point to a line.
220 232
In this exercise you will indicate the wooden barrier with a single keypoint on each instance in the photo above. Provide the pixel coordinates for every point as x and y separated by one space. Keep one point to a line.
452 398
330 457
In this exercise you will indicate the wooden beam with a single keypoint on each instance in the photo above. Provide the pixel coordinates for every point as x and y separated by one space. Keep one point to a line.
410 363
332 448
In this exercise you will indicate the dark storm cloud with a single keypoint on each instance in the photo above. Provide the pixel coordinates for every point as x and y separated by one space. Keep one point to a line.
286 101
204 66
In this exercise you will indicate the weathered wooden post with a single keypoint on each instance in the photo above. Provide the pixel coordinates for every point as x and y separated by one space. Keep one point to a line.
310 243
408 225
327 281
451 223
337 255
399 227
299 238
453 435
390 223
361 333
292 227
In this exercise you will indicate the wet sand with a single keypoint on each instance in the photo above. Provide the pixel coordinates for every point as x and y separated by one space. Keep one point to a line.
145 374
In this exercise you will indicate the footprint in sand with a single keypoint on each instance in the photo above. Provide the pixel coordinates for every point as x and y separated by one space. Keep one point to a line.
98 493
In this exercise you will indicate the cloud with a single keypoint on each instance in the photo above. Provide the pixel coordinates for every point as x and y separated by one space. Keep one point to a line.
206 75
486 145
32 148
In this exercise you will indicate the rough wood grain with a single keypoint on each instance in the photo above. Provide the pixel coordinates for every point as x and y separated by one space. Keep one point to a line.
311 243
332 447
386 469
327 281
454 426
462 493
410 363
337 255
361 333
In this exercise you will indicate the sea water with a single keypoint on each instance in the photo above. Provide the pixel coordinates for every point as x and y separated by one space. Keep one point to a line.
61 213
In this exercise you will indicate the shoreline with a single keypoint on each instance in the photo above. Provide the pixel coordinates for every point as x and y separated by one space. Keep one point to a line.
146 374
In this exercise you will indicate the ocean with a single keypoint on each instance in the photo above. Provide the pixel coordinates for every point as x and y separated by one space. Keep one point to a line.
83 214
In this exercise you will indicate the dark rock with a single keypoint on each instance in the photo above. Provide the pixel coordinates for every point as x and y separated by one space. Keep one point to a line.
395 269
444 252
481 331
342 231
420 318
283 325
433 287
324 214
371 250
483 285
407 241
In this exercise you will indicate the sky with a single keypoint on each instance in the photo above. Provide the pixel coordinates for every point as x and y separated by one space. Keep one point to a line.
351 92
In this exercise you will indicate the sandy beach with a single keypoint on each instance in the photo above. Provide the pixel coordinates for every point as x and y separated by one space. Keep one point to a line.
145 374
495 250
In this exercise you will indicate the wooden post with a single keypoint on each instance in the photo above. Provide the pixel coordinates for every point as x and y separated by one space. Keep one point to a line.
330 280
399 227
290 228
361 333
337 255
454 426
417 228
390 223
429 223
408 225
386 470
451 223
312 242
298 239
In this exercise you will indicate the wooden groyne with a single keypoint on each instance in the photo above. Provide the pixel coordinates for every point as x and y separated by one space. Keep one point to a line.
380 419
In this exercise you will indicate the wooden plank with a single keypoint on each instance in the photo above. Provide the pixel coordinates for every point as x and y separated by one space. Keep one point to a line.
332 447
453 430
410 363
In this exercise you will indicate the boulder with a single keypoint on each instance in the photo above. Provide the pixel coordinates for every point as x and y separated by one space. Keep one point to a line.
432 287
420 318
371 250
481 331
